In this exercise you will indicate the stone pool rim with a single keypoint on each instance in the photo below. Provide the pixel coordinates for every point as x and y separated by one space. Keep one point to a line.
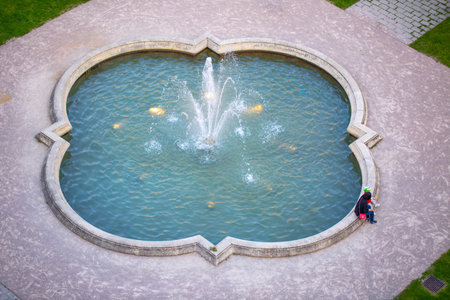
52 136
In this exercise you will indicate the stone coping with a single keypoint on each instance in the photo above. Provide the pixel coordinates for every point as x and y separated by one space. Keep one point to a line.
51 136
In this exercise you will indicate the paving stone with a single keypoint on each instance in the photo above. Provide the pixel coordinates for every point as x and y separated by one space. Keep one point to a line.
6 294
408 25
434 12
405 16
434 23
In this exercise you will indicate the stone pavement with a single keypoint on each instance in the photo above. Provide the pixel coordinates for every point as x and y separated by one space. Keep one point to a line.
405 19
6 294
407 96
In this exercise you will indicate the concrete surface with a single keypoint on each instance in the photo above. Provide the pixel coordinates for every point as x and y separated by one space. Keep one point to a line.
408 100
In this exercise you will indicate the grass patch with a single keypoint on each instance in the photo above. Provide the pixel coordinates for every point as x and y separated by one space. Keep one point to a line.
343 3
19 17
436 43
441 270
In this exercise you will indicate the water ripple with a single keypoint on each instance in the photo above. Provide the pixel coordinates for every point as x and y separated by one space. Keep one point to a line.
282 172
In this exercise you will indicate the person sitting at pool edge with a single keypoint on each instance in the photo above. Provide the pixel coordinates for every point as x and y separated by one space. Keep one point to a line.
363 207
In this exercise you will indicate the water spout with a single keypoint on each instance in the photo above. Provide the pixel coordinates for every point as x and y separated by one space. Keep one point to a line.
210 115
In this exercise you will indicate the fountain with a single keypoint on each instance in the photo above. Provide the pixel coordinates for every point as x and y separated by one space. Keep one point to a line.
226 153
255 152
211 124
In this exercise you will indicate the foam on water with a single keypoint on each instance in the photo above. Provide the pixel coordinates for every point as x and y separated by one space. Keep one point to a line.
239 131
172 119
153 147
270 130
249 178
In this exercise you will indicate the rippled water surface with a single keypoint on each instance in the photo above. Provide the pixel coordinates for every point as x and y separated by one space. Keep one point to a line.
279 170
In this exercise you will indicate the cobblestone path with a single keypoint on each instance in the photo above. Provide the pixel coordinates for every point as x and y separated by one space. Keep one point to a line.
406 20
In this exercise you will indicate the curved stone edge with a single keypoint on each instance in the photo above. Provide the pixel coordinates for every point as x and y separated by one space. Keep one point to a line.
51 136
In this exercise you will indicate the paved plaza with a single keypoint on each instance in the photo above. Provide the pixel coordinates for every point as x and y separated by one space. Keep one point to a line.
407 96
406 20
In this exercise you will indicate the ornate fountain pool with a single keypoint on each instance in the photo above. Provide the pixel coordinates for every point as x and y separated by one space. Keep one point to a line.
175 152
168 146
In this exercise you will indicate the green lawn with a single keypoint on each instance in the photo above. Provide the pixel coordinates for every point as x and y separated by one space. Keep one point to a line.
18 17
441 270
343 3
436 43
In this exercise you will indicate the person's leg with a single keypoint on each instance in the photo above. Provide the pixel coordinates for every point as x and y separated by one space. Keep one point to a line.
370 216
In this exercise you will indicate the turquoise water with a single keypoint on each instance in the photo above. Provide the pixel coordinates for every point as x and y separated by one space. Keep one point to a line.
279 170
